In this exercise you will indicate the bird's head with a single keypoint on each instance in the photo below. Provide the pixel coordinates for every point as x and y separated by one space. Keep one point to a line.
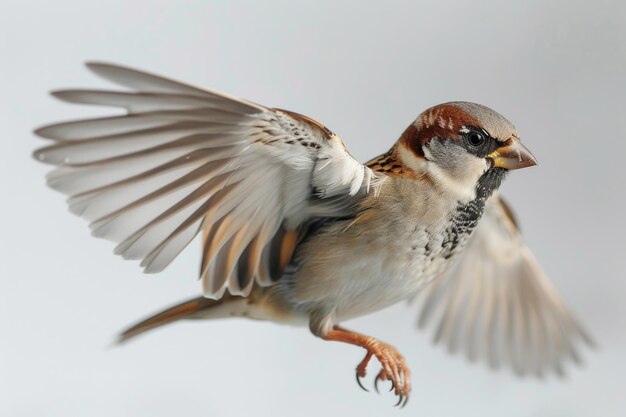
465 147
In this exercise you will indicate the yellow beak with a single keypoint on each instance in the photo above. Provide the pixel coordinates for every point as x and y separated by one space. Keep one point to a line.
513 156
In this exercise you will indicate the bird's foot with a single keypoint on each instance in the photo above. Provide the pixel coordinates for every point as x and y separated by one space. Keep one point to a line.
394 369
394 366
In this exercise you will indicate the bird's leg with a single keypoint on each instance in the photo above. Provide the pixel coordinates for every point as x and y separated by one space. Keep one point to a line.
394 366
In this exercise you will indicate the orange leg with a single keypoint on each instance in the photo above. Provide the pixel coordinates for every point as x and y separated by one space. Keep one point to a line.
394 366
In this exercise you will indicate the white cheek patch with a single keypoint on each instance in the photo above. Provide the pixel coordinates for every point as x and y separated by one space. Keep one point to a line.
451 167
454 169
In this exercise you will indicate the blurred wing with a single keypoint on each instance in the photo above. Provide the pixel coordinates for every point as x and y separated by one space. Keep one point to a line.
497 305
184 160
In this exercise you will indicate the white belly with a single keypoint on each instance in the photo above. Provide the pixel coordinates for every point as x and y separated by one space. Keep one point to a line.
397 243
358 274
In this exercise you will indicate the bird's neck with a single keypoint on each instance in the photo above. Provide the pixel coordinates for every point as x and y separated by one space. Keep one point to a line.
436 196
466 215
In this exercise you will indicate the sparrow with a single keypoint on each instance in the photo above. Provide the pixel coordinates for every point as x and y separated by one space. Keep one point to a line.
294 230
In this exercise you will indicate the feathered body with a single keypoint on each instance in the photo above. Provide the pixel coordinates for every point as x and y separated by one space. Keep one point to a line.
393 245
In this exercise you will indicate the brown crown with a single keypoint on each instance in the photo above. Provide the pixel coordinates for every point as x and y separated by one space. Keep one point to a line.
442 121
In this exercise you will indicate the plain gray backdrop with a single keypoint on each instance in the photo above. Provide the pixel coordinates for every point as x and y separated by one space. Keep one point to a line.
556 68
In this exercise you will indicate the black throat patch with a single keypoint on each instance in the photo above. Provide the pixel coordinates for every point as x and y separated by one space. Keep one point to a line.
466 216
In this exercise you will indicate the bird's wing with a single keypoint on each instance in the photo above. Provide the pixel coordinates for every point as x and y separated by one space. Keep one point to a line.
497 305
185 161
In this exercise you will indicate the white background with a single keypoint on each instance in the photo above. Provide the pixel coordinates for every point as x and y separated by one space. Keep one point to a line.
556 68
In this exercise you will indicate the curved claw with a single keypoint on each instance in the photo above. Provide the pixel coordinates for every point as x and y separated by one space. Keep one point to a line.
358 381
376 383
400 399
406 400
380 377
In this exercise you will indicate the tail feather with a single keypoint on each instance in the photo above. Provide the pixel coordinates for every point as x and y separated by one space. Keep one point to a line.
184 310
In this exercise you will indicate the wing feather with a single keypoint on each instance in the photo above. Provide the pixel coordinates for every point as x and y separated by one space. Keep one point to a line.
185 161
143 81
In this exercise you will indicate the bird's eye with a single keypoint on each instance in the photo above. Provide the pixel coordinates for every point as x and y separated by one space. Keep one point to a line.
475 139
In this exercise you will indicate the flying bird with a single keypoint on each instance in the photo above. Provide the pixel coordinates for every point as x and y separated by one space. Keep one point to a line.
295 230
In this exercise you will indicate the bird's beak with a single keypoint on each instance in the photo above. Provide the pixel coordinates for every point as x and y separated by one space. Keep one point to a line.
512 156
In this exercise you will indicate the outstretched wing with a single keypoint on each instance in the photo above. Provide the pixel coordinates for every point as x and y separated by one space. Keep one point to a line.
185 161
497 304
